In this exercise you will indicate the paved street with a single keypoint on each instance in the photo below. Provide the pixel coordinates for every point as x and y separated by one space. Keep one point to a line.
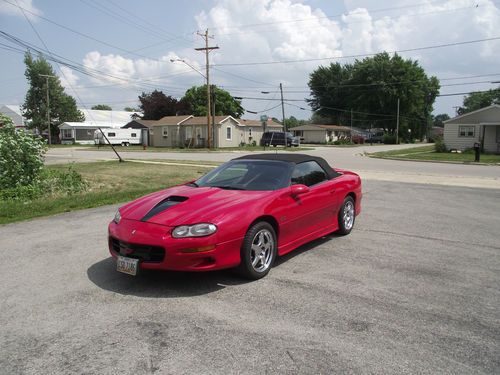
415 288
342 157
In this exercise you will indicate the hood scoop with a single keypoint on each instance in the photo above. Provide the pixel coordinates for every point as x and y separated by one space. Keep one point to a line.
164 205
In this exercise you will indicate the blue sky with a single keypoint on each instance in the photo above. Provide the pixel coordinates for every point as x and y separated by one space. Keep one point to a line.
135 41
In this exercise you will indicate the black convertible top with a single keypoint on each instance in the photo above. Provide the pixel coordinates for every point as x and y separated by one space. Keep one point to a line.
295 159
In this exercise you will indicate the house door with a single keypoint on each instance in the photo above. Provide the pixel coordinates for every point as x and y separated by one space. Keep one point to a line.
498 139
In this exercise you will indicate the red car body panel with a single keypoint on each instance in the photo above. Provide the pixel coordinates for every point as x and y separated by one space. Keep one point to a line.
298 220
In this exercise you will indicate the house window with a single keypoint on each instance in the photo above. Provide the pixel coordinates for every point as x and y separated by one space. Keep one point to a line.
165 131
111 134
466 131
67 133
228 133
250 132
298 133
133 135
189 132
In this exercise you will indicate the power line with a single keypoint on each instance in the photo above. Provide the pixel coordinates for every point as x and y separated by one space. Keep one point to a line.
82 34
362 54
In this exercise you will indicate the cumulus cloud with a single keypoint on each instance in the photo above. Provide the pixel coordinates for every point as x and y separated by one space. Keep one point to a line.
29 9
276 30
68 78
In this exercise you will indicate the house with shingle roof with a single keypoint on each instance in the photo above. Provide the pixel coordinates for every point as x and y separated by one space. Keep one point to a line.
191 131
315 133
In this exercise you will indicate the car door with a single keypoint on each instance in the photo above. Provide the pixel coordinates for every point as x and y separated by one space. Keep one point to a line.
312 211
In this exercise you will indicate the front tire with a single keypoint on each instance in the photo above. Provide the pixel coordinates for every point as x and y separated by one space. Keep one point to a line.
346 216
258 251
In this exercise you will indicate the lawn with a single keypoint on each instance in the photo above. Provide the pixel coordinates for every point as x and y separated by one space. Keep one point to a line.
109 182
427 153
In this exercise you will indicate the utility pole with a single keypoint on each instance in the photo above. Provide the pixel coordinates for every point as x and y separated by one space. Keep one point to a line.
207 49
397 126
48 102
351 124
283 112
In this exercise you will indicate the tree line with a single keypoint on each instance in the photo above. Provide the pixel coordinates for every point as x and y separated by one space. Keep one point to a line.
365 93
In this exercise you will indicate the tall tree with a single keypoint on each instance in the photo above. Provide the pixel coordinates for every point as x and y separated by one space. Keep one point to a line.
102 107
370 88
478 100
62 106
225 104
438 120
156 105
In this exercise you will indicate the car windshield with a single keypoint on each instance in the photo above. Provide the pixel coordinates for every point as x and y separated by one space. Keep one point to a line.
248 175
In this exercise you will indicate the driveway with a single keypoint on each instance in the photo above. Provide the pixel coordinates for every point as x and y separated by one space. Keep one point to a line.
413 289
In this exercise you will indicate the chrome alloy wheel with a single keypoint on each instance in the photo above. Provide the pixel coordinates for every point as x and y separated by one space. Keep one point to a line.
262 250
348 215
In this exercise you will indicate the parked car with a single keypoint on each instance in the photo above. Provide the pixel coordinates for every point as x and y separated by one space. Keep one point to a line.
278 139
376 137
242 214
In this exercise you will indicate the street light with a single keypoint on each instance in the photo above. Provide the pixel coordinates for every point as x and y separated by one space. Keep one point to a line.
47 76
188 64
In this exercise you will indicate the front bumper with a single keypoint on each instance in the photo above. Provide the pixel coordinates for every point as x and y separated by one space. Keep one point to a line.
157 249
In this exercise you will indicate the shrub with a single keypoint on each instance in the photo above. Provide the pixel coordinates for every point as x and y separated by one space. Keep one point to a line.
50 183
389 139
439 145
21 156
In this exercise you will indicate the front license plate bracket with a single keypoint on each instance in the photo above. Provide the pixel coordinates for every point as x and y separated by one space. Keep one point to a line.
127 265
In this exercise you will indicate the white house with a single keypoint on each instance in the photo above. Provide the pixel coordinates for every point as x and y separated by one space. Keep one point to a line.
312 133
481 126
14 112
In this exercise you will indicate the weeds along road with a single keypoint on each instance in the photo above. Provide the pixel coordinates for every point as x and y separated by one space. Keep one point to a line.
413 289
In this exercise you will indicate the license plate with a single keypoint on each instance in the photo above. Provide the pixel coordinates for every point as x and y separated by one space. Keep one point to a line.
127 265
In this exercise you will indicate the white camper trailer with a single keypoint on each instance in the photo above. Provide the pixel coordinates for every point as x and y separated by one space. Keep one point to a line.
124 137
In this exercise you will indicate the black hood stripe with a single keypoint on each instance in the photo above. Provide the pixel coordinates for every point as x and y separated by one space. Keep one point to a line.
163 206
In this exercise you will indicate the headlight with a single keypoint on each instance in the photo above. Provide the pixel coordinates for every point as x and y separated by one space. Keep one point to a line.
117 217
197 230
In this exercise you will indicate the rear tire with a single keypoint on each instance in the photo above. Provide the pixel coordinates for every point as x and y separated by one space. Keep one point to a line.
258 251
346 216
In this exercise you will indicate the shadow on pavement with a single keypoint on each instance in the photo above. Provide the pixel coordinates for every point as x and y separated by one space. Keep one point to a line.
160 284
304 248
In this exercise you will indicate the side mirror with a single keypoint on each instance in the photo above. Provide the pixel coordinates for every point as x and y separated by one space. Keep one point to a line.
298 189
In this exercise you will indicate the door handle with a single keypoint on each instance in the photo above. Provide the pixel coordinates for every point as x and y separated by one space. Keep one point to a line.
333 191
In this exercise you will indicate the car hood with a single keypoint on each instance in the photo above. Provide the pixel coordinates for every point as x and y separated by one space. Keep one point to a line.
189 205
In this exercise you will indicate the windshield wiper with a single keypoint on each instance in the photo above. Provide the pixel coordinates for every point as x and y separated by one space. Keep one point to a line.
192 184
227 187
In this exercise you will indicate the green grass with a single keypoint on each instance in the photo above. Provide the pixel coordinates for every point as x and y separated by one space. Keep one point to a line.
173 149
109 182
427 153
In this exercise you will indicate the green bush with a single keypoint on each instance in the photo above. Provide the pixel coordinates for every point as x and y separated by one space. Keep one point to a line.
439 145
50 183
21 156
389 139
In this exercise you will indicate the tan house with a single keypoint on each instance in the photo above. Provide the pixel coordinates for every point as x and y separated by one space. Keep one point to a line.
313 133
191 131
481 126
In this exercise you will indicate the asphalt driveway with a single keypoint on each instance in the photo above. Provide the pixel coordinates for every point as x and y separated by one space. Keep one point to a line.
415 288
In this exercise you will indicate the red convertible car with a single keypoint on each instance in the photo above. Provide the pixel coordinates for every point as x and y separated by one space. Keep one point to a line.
242 214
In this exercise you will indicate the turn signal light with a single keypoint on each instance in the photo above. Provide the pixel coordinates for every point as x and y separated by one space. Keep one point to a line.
198 249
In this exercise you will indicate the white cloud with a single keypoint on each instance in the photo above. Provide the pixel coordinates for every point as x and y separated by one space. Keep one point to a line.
68 78
274 30
12 10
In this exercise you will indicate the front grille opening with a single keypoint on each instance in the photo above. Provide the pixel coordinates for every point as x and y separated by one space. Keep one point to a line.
164 205
145 253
